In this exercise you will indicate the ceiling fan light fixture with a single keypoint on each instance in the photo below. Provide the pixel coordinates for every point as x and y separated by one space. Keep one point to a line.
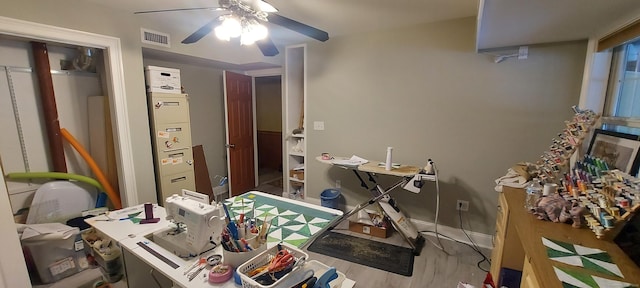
221 33
232 26
248 29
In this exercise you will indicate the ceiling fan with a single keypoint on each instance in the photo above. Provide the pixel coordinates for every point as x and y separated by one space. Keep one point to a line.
249 16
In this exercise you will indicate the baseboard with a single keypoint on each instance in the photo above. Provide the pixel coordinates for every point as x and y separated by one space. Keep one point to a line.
480 239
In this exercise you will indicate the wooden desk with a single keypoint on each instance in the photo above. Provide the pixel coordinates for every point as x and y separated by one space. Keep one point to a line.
523 250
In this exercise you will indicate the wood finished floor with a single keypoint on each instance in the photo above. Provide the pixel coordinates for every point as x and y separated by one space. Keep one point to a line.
432 268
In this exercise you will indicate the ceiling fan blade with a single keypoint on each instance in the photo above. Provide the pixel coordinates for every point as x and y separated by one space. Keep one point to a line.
267 47
203 31
179 9
265 7
298 27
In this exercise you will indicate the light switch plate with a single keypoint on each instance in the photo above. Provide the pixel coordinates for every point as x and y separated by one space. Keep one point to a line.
318 125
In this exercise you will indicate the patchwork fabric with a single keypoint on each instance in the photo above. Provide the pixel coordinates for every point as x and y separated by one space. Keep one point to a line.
290 222
575 279
576 255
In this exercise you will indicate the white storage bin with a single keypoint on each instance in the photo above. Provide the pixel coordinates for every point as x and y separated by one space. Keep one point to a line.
263 259
55 259
161 79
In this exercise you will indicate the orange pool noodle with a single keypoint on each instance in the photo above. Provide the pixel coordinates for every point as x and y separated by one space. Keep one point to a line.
115 198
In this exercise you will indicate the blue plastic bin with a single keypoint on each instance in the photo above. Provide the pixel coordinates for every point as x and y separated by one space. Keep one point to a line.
329 198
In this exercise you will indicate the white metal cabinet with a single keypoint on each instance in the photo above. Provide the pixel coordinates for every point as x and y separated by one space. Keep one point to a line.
172 147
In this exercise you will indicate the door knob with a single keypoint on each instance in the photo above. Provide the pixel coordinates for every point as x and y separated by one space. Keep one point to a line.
230 145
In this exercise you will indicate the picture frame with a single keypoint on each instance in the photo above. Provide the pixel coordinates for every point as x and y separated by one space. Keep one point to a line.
619 150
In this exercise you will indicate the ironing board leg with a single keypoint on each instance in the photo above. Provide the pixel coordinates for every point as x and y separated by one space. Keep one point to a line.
357 209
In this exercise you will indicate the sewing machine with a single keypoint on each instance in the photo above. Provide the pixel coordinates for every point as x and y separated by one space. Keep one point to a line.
203 227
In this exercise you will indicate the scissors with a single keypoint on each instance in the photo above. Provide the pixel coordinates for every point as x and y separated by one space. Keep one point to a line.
281 261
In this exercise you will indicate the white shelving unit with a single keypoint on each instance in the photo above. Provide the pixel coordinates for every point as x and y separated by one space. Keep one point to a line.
294 107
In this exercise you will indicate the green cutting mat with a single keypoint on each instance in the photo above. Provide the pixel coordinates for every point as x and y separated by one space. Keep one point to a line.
290 223
581 256
571 278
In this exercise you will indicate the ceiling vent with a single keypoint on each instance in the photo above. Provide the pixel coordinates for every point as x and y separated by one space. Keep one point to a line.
155 38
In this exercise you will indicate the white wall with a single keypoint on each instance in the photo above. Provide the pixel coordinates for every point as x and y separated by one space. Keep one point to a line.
71 90
13 270
424 91
82 16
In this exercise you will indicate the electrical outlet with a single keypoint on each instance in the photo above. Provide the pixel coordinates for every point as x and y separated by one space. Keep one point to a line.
462 205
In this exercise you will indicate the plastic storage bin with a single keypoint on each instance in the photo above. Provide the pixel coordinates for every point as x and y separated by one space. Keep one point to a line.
329 198
263 259
54 259
221 191
109 259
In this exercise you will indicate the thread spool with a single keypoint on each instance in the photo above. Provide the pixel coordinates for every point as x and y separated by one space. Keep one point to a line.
624 203
615 211
608 221
549 189
387 164
602 202
599 230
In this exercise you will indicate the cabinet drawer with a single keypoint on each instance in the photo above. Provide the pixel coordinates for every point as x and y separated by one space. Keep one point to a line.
529 279
172 137
502 214
169 108
500 222
173 184
496 258
175 161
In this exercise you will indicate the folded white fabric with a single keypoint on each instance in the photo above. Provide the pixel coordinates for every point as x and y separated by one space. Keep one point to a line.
511 179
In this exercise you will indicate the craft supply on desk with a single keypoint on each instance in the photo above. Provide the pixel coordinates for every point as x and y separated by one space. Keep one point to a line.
278 261
388 161
220 273
192 275
148 212
243 244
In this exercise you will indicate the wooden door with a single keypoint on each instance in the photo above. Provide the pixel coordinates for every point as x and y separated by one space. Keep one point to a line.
240 154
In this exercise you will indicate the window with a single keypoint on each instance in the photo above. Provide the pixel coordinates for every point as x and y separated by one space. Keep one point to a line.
623 93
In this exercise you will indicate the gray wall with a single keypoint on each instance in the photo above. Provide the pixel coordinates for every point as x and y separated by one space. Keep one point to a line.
424 91
268 104
85 16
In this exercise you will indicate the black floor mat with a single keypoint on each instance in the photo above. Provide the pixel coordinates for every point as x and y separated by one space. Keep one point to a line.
387 257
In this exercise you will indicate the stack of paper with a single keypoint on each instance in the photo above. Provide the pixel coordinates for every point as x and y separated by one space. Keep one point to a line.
354 161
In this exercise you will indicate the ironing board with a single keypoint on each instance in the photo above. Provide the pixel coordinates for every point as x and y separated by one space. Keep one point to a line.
381 196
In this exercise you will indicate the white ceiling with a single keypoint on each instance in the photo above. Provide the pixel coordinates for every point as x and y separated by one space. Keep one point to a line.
502 23
505 23
337 17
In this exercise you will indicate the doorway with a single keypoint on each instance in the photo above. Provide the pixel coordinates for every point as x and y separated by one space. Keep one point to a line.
268 97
